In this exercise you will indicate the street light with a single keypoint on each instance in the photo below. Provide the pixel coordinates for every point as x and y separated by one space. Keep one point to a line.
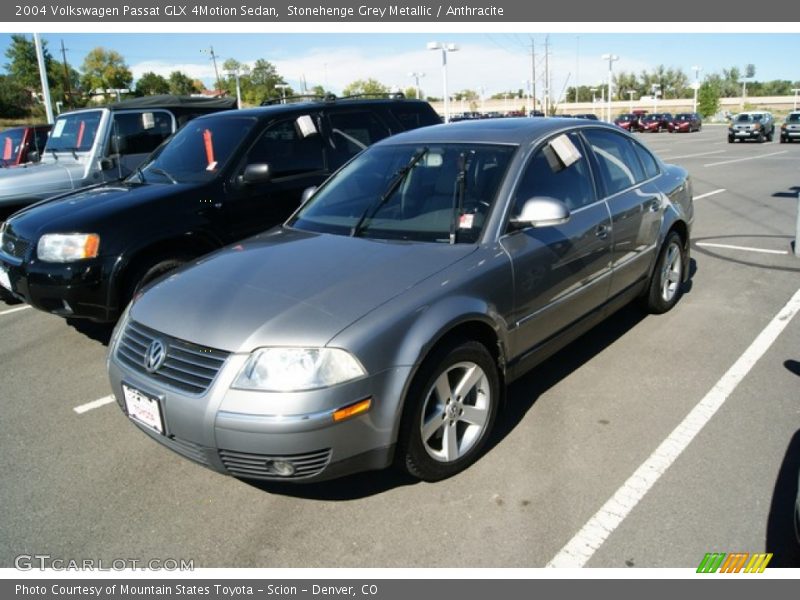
630 97
282 87
445 48
655 89
611 58
235 73
795 90
696 85
416 77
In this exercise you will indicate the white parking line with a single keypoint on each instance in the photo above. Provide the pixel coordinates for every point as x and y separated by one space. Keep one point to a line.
578 551
698 154
727 162
13 310
95 404
707 194
745 248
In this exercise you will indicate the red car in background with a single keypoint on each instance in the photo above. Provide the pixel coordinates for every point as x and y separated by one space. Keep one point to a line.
20 145
627 121
656 122
686 122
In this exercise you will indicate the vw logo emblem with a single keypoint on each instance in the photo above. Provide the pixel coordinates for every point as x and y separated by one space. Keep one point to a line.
155 356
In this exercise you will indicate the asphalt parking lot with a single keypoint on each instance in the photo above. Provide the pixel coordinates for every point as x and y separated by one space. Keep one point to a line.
579 431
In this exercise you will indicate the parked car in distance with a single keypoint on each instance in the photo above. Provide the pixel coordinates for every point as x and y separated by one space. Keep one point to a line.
590 116
656 122
755 125
96 145
21 145
536 113
790 128
382 321
686 122
627 121
221 178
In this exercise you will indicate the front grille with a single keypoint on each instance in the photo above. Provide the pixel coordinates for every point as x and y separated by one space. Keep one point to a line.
243 464
187 367
14 246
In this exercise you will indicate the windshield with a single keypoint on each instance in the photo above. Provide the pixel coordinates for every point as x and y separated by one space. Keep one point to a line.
74 132
624 117
683 117
378 195
748 118
793 118
10 142
198 152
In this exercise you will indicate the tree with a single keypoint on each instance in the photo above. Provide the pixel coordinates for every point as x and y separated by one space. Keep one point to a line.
150 83
708 98
318 90
262 81
368 87
105 69
24 66
15 100
180 84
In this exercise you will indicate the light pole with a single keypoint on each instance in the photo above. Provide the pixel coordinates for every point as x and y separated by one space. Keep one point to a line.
696 85
416 77
611 58
630 97
282 87
655 90
445 48
795 90
235 73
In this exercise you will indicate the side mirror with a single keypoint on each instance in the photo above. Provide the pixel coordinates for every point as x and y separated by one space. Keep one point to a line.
541 212
106 164
256 173
307 193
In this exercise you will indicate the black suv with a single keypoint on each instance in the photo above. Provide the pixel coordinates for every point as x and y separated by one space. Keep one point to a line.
221 178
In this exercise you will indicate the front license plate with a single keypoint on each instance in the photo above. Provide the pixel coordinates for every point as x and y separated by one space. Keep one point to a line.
143 408
743 133
4 280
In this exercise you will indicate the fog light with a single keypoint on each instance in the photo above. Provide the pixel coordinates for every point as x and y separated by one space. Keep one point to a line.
280 467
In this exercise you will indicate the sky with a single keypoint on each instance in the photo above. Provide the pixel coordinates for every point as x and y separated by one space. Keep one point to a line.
487 62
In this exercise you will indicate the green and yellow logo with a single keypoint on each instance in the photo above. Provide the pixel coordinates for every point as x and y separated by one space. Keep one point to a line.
719 562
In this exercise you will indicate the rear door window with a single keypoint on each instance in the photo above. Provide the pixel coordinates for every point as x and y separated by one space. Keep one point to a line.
286 151
618 163
354 130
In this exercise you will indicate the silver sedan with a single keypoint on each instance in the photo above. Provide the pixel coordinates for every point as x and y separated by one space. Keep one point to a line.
380 324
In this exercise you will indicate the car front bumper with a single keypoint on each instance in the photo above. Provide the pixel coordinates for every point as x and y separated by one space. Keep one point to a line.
244 433
75 289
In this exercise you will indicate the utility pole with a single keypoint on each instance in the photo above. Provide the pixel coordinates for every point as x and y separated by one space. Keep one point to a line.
547 75
67 90
48 106
216 72
577 67
533 74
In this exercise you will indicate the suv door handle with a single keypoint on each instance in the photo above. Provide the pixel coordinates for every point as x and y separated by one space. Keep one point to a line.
602 231
654 204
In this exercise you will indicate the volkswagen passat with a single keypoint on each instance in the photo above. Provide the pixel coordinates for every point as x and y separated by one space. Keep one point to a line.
381 323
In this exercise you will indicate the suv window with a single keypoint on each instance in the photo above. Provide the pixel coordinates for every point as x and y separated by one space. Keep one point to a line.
286 151
411 117
139 132
545 175
353 131
619 167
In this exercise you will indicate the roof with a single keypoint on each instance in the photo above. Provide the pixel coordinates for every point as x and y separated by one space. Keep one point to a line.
302 107
515 130
170 101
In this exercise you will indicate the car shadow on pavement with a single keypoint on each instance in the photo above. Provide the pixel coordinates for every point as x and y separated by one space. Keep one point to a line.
781 538
99 332
520 396
794 192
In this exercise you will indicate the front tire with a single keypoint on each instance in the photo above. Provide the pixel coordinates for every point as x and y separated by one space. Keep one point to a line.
665 286
450 411
147 272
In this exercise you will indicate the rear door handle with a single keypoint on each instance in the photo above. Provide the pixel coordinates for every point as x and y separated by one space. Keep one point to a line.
654 205
602 231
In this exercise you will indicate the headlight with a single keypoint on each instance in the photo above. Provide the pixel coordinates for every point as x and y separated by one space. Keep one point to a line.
297 369
756 127
67 247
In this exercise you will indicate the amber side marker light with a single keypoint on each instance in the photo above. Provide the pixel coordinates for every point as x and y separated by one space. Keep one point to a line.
353 410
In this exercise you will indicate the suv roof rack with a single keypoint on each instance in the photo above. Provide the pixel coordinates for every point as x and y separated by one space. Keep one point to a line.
331 97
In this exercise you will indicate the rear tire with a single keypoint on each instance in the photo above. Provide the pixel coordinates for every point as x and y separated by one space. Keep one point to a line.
666 281
450 411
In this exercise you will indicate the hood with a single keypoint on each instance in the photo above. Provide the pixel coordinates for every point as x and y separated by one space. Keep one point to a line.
39 180
287 287
81 210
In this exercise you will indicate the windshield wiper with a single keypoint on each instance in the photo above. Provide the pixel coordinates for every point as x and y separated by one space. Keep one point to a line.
399 178
159 171
140 173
